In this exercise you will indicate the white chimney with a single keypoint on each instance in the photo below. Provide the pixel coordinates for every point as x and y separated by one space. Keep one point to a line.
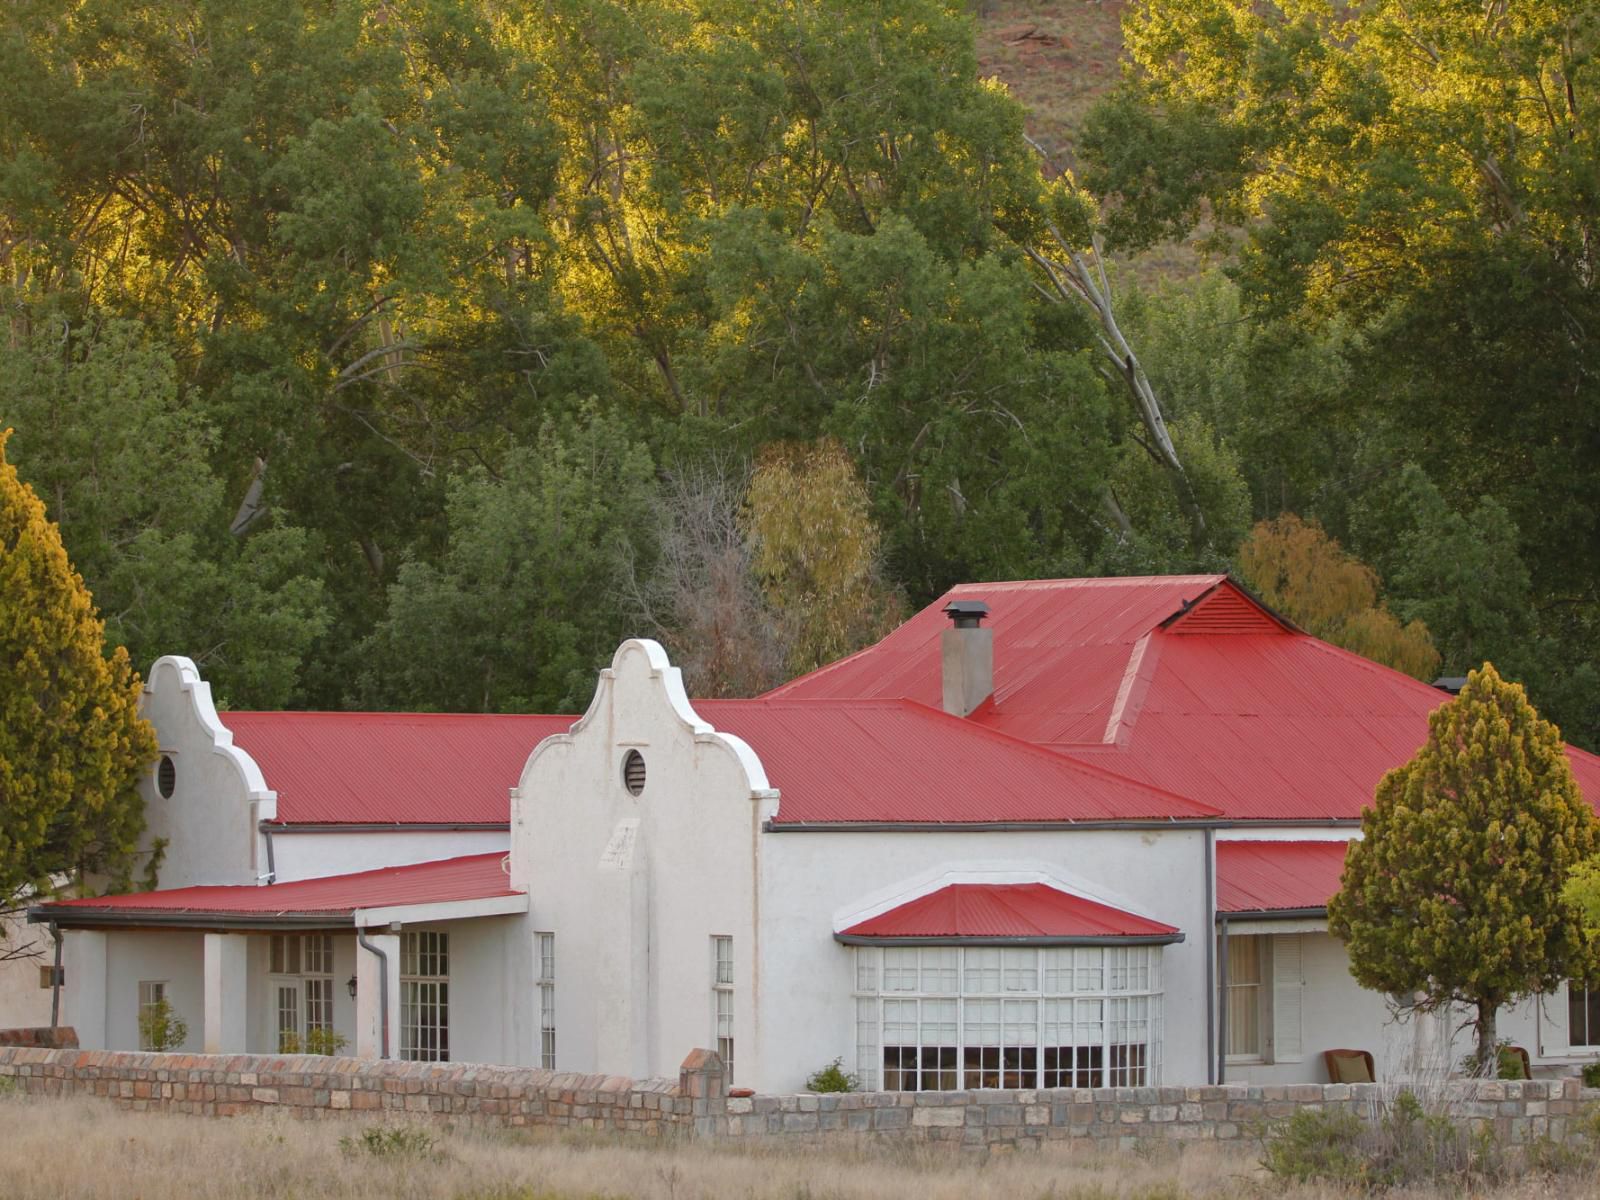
967 654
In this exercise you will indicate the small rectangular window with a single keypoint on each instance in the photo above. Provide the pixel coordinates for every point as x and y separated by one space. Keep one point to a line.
152 992
547 1001
722 1001
50 977
1583 1015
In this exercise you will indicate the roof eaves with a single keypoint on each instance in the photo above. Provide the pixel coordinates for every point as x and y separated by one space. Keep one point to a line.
72 917
1107 939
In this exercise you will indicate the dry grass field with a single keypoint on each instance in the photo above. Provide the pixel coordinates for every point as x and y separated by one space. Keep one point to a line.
89 1150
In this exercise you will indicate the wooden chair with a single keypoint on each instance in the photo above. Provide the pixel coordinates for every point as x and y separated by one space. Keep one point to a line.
1349 1058
1522 1057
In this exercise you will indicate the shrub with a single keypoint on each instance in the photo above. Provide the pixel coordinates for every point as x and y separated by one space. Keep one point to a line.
401 1141
160 1028
317 1040
833 1078
1591 1074
1405 1146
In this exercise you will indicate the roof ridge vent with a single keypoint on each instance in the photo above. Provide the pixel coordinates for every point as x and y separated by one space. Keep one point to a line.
1223 610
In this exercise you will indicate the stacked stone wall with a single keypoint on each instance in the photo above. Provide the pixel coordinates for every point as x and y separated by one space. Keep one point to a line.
696 1103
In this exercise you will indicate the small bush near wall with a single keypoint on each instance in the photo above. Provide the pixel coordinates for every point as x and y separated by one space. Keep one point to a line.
1407 1146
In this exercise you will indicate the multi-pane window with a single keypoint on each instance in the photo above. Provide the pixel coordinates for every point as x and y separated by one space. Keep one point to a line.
722 1001
1583 1015
302 987
547 1001
425 996
951 1017
1246 996
151 993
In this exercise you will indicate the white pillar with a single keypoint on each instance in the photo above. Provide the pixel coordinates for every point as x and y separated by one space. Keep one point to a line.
369 989
227 993
83 995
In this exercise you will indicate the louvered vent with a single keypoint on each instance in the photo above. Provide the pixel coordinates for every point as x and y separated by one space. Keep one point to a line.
166 777
633 772
1225 610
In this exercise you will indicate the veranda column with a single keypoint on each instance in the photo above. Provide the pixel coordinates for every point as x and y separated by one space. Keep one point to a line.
83 995
227 993
371 972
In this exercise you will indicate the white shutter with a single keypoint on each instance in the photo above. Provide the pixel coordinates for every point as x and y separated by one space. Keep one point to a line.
1288 987
1553 1021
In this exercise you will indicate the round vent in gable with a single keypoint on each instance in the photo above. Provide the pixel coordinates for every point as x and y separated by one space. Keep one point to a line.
633 772
166 777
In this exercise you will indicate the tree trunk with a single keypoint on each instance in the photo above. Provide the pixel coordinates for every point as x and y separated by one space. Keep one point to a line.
1485 1060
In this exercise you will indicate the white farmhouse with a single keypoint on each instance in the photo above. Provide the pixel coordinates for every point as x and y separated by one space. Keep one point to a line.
1059 833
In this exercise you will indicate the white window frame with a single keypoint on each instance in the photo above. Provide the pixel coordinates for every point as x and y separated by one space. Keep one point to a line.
1590 1003
1255 993
546 943
722 1027
299 985
425 995
964 1016
151 993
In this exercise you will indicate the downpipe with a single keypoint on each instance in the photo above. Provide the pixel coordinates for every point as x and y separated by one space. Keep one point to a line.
383 987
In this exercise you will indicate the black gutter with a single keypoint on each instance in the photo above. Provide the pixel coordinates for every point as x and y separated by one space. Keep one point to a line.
55 980
1153 939
1222 997
126 919
1176 823
1273 914
1210 853
387 827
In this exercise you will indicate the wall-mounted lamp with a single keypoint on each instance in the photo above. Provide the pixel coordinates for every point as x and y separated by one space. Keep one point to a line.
351 987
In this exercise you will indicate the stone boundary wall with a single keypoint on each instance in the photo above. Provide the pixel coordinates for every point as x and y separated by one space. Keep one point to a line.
696 1105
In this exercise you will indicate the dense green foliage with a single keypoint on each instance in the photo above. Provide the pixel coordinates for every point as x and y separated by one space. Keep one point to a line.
1448 898
72 744
1407 200
411 354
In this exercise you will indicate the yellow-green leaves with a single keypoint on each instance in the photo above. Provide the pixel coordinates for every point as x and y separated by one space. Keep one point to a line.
72 744
1301 571
816 552
1453 894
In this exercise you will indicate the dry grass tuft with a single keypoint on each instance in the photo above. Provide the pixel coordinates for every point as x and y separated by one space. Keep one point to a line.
90 1150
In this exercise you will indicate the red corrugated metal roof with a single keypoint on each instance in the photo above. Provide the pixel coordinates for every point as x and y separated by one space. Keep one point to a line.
400 768
899 761
1268 876
1007 912
475 877
1228 709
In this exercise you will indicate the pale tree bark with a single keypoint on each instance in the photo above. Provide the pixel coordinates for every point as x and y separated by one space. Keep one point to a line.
1075 276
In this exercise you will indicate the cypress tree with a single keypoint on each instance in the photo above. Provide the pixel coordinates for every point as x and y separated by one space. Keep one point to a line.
1453 895
72 744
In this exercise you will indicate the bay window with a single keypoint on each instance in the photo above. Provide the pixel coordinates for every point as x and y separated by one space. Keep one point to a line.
941 1018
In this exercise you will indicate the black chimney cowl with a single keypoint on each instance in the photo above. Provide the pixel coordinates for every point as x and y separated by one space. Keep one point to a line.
966 614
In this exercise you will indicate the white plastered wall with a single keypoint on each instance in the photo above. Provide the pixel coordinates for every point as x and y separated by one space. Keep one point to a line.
316 855
812 881
209 821
133 956
635 887
23 1003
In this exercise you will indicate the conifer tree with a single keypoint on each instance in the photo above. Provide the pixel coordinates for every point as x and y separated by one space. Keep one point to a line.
1453 896
72 743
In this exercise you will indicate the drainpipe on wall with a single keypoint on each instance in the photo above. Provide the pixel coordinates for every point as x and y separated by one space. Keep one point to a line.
1211 957
1222 1000
383 987
272 866
55 979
